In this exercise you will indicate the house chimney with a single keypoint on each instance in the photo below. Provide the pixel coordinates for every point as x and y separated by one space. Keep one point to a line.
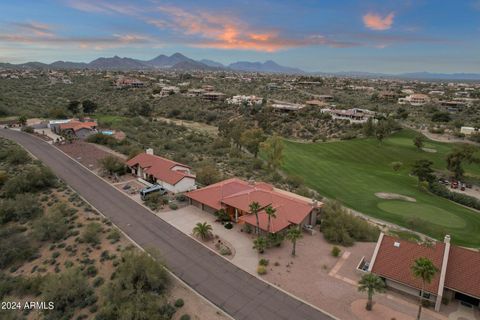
314 203
447 239
149 151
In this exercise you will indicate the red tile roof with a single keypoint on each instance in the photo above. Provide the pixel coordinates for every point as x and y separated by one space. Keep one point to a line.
463 271
160 168
240 194
77 125
395 262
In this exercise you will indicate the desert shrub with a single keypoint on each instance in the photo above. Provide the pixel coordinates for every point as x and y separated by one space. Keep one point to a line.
52 226
154 200
185 317
139 283
181 197
173 206
15 247
261 270
103 139
442 191
114 236
91 271
22 208
335 251
228 225
340 227
14 156
179 303
91 234
275 239
32 179
68 290
98 281
28 129
263 262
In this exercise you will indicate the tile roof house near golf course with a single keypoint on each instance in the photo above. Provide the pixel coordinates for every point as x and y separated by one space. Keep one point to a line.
173 176
458 275
235 196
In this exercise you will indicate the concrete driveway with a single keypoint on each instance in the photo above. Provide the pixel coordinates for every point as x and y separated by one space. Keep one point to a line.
184 219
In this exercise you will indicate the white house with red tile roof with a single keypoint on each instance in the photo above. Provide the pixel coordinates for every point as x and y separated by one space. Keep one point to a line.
235 196
458 276
173 176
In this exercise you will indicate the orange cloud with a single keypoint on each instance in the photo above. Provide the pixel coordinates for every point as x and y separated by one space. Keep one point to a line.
222 31
376 22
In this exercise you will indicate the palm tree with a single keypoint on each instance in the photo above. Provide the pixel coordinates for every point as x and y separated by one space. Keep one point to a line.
371 284
271 214
254 208
424 269
202 230
260 244
293 234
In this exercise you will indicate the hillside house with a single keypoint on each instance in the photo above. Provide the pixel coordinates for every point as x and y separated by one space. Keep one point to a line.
416 99
173 176
213 96
74 128
458 277
235 196
355 115
469 130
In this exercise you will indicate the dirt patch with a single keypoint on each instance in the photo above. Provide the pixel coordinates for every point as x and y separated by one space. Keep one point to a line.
195 306
429 150
378 312
394 196
86 153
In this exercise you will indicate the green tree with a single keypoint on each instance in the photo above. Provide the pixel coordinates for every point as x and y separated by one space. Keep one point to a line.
382 130
293 234
369 128
418 141
273 149
89 106
74 106
396 165
422 169
254 209
112 165
22 120
425 270
208 174
270 211
371 284
251 139
260 244
456 158
202 230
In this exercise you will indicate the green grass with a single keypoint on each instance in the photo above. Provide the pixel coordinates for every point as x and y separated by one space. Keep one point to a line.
353 171
107 118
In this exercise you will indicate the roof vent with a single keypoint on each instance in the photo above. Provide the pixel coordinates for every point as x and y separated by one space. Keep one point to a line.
396 244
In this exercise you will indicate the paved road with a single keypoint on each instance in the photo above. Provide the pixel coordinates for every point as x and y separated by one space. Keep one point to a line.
238 293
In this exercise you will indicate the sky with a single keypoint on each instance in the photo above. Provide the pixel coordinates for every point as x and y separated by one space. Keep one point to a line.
390 36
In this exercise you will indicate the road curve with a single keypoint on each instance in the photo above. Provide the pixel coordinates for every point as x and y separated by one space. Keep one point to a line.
235 291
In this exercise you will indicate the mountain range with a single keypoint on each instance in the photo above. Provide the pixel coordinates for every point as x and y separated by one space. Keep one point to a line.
178 61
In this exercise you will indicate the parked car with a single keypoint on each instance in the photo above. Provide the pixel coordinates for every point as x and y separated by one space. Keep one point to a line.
154 188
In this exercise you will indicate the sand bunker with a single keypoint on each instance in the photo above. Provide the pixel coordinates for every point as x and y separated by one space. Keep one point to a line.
394 196
429 150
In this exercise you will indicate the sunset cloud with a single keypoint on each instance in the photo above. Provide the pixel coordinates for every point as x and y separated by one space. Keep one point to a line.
377 22
223 31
